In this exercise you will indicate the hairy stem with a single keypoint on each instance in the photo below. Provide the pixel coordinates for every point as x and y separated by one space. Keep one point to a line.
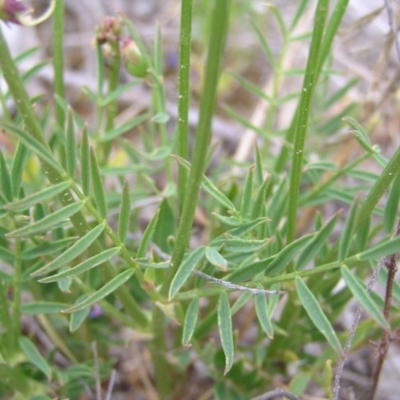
219 30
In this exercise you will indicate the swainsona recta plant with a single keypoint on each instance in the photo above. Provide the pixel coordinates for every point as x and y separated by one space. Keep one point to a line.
242 295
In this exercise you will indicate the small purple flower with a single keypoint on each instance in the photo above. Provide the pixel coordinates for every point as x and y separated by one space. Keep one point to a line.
17 13
10 10
96 311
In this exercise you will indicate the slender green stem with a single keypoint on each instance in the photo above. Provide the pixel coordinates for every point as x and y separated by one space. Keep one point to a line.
17 286
219 28
330 33
78 220
100 81
158 354
159 92
184 91
303 115
156 75
159 108
112 107
8 345
58 59
6 113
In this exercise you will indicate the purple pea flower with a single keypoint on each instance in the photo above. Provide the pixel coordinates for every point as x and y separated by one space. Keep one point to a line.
18 13
10 11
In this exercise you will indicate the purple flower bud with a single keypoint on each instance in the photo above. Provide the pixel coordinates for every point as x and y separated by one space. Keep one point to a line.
10 10
96 311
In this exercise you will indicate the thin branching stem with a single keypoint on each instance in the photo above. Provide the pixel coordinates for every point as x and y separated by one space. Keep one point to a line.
232 286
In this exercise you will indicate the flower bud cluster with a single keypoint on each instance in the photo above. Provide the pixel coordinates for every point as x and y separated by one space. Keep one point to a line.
109 31
110 34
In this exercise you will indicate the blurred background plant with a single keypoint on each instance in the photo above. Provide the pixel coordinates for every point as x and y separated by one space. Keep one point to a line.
287 165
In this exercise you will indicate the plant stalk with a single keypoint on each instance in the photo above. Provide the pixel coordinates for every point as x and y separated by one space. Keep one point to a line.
219 28
300 128
184 92
58 59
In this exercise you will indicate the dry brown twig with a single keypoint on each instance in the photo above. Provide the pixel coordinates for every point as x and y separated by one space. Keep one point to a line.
385 340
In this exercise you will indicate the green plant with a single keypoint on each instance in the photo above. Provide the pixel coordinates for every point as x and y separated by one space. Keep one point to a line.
62 243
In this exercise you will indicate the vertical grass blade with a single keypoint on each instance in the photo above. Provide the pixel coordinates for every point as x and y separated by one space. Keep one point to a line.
98 185
363 233
247 196
184 91
190 321
347 234
219 29
225 330
85 163
303 113
124 213
333 25
258 209
70 147
259 169
58 58
313 247
392 206
379 188
317 316
5 179
17 168
148 236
